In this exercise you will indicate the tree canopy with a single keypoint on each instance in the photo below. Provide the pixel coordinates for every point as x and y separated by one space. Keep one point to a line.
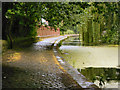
20 19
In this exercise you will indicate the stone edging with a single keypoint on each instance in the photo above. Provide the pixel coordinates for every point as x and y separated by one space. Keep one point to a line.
77 76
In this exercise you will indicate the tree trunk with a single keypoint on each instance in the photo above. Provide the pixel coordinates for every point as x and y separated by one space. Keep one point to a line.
90 32
82 35
9 34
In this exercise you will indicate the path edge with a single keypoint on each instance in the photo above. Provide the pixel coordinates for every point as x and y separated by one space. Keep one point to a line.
77 76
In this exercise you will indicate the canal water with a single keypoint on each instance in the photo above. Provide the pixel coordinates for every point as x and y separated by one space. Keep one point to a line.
98 64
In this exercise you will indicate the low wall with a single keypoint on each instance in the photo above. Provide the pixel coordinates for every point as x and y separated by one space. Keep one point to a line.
47 31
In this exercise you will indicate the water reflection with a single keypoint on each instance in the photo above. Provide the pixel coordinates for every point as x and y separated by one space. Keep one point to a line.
101 75
75 41
103 61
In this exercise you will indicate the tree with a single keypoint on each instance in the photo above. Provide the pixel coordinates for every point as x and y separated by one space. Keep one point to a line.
21 18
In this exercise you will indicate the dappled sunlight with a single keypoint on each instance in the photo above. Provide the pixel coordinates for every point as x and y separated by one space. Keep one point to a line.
32 32
14 57
43 60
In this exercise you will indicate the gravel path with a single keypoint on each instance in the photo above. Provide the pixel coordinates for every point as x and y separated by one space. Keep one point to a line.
35 67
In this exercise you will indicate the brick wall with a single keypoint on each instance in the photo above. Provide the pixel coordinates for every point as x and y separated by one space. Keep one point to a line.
47 31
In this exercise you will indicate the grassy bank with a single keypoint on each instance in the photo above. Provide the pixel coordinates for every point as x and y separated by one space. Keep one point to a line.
21 42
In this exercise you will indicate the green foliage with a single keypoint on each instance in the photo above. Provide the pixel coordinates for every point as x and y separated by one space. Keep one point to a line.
23 42
101 74
69 32
26 16
20 19
4 45
59 44
99 18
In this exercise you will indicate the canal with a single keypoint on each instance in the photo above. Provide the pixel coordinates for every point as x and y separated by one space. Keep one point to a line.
99 64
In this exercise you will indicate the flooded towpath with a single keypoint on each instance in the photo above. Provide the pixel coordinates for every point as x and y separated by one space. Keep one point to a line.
35 67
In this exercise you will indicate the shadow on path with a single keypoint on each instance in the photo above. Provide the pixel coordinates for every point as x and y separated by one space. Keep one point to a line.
34 67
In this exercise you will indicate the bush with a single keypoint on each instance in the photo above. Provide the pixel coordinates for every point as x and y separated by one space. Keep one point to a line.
23 42
69 32
4 45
